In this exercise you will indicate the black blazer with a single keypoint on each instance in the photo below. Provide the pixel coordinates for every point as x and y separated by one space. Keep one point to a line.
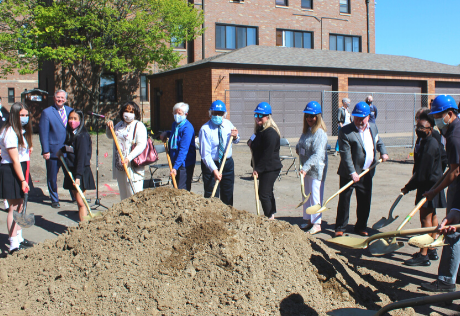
266 150
437 136
4 118
81 155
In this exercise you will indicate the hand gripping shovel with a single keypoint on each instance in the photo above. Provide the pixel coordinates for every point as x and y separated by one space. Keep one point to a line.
302 188
383 247
256 189
359 243
387 221
91 214
122 159
22 219
170 164
222 165
417 301
315 209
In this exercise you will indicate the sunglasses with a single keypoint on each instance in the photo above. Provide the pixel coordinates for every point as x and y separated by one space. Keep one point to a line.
260 115
310 116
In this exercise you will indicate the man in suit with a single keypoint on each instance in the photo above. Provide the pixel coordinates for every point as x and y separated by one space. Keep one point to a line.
52 131
358 143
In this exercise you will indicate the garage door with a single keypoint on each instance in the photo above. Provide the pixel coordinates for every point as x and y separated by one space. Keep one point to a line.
287 96
452 88
395 101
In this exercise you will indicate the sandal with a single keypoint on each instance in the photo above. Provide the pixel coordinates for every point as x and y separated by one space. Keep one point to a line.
314 230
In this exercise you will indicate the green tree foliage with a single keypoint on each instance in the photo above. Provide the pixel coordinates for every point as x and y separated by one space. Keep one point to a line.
106 35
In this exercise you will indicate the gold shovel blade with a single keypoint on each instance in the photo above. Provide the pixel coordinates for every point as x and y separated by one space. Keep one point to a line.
439 242
304 201
315 209
381 247
421 241
349 242
351 312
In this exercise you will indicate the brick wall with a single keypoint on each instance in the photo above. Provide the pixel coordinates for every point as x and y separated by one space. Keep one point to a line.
265 15
19 83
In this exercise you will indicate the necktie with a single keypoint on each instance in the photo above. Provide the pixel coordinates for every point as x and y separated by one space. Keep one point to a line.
221 144
63 116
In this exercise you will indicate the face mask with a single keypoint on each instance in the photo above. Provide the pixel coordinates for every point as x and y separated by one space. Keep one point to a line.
369 102
74 124
128 117
440 122
24 120
216 119
179 118
421 133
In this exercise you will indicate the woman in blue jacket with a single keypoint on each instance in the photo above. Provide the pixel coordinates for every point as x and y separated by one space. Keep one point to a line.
181 147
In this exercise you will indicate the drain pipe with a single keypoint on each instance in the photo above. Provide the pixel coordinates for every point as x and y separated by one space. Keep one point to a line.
368 29
203 54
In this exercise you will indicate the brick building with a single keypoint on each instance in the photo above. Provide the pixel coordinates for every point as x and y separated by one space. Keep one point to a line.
290 77
13 85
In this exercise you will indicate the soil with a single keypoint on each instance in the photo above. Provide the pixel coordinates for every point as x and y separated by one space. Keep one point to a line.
171 252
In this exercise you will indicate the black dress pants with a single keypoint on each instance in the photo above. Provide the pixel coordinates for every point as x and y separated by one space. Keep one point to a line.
363 201
266 196
225 188
184 177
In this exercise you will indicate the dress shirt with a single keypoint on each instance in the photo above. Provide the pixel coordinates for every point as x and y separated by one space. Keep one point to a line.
209 142
368 142
347 117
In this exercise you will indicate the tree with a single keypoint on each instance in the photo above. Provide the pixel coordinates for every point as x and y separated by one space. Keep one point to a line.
90 37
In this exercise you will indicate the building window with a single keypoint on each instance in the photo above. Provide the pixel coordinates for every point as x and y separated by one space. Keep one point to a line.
10 95
307 4
345 6
177 45
345 43
298 39
144 91
282 2
108 90
232 36
179 90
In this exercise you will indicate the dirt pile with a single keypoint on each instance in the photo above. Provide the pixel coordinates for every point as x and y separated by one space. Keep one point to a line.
170 252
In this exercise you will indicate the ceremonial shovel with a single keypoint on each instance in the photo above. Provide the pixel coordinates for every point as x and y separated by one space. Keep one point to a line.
302 188
22 219
387 221
315 209
170 164
256 189
430 299
222 165
426 241
122 159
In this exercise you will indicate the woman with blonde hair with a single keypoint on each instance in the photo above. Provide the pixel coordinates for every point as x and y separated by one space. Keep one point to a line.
265 147
312 151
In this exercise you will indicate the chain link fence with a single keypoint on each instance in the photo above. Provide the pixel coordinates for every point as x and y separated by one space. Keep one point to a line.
395 111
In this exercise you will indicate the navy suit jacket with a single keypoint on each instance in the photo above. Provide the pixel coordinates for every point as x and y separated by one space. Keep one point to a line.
52 130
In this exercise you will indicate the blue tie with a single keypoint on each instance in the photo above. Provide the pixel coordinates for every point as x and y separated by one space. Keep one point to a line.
221 144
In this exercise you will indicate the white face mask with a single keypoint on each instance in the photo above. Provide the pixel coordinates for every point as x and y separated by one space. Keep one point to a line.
128 117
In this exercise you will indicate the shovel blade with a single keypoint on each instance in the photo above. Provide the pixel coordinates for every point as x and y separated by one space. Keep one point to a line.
381 247
349 242
351 312
384 222
313 209
421 241
25 221
304 200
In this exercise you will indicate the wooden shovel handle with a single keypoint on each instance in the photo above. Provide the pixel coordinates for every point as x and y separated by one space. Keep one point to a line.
222 165
117 145
256 189
169 163
407 232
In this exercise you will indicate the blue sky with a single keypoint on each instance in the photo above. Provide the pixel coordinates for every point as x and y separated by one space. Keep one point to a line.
423 29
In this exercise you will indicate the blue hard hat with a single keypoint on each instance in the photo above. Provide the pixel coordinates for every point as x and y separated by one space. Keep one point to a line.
263 108
312 107
361 110
218 105
442 103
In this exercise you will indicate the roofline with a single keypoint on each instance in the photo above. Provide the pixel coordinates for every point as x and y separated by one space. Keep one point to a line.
213 64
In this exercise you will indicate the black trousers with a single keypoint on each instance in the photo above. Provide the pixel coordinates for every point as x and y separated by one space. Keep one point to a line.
184 177
225 188
363 201
266 196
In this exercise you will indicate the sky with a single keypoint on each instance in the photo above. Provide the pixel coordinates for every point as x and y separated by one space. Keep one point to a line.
426 29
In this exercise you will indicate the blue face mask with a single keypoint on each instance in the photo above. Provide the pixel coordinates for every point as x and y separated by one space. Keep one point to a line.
440 122
216 119
24 120
179 118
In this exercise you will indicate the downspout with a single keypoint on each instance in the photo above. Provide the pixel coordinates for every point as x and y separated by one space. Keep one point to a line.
368 28
203 54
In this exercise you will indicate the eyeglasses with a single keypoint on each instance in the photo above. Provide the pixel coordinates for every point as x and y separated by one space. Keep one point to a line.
310 116
260 115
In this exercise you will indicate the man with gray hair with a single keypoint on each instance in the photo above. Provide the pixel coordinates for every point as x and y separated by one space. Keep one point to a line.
52 132
343 118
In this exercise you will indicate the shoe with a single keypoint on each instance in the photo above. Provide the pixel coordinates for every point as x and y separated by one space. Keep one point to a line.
306 226
335 153
15 250
55 205
438 286
314 230
433 254
362 232
418 260
27 244
338 234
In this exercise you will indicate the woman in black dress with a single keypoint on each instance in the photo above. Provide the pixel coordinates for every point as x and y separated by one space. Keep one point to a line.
78 148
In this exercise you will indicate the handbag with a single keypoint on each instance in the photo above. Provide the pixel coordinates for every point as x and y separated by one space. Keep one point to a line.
147 156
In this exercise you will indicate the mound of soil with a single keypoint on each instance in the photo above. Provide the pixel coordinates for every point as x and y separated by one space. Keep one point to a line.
171 252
